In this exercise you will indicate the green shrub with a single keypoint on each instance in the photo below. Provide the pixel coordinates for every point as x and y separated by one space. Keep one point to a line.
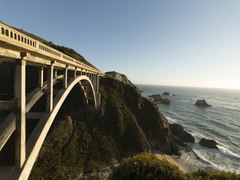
146 166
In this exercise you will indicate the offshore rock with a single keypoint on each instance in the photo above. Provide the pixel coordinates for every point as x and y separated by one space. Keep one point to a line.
208 143
178 131
202 103
157 98
166 94
166 101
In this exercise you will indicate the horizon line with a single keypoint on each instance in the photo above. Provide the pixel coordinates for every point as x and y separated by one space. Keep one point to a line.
183 86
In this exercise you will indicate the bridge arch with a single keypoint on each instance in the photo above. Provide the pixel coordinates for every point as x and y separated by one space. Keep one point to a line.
39 134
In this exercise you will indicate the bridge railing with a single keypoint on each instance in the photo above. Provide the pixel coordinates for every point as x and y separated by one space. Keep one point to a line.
12 36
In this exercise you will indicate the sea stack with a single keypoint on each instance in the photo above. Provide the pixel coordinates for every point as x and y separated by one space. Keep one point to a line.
202 103
178 131
157 98
166 94
208 143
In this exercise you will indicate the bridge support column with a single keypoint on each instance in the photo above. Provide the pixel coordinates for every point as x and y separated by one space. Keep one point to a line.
75 73
97 84
55 73
65 84
90 76
40 76
94 81
50 88
97 91
20 94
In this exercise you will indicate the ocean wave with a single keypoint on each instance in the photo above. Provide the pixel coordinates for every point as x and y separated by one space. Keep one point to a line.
200 155
214 158
228 152
197 136
203 159
171 120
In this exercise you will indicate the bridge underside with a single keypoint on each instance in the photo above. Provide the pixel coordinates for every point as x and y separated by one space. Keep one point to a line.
25 87
35 79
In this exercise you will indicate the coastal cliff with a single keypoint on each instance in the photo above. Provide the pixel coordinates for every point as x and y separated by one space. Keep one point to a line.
79 144
123 106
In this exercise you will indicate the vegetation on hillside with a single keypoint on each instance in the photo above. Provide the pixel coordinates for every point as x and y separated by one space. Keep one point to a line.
73 148
146 166
73 145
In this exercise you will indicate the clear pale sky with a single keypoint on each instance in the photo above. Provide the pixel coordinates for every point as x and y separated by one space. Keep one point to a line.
162 42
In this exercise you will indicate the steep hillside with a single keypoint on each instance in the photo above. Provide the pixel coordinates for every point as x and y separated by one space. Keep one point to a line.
125 108
124 125
73 145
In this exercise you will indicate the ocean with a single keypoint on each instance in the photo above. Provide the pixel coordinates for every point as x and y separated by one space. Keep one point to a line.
221 122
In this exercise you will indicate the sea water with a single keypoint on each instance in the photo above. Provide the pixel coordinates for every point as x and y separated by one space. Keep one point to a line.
220 122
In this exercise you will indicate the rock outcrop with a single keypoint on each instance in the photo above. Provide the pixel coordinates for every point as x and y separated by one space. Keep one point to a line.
157 98
129 113
208 143
166 94
166 101
120 77
202 103
178 131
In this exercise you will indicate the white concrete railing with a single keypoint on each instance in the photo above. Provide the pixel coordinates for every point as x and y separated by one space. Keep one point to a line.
16 38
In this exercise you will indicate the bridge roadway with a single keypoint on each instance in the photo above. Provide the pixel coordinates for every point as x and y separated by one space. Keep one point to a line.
22 51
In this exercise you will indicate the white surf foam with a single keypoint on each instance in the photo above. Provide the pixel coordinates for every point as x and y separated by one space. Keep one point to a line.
203 158
228 152
171 120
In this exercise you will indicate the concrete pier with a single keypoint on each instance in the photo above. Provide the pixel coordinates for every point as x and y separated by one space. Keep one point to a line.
41 76
50 88
65 76
20 95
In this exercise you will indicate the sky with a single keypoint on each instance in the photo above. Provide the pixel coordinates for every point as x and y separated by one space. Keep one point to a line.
162 42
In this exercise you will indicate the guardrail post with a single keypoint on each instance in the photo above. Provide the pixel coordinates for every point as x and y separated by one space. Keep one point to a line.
50 87
20 94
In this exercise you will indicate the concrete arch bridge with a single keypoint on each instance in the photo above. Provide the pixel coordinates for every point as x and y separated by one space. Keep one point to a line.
55 75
